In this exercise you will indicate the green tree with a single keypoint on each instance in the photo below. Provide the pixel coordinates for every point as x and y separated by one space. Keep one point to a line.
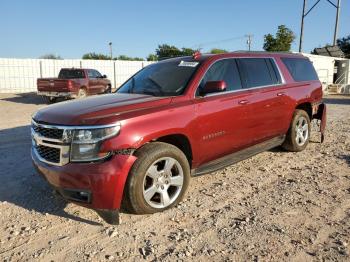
187 51
218 51
50 56
96 56
128 58
152 57
281 42
165 51
344 45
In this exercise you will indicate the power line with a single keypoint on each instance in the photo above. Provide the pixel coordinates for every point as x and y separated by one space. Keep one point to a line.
218 41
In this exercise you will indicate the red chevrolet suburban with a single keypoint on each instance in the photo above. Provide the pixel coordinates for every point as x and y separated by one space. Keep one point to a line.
73 83
181 117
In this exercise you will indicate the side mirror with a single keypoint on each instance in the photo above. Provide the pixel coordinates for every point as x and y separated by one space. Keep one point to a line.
214 87
104 76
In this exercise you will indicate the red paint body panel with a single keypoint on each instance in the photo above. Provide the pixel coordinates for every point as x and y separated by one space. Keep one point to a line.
214 125
105 180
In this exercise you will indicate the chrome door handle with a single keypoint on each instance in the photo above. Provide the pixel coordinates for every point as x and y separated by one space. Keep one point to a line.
281 94
243 102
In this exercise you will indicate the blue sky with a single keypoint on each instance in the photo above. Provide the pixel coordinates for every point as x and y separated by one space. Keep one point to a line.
33 28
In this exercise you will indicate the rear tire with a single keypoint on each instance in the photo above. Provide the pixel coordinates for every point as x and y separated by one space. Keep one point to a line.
158 179
50 99
298 135
82 93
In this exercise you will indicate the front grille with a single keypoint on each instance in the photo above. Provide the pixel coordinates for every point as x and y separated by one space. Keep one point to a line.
50 154
48 132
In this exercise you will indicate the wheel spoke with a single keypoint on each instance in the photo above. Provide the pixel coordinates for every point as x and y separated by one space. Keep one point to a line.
176 180
152 172
302 139
299 123
165 198
149 193
305 127
169 163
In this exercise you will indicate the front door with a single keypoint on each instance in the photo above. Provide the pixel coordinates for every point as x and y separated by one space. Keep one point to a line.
93 82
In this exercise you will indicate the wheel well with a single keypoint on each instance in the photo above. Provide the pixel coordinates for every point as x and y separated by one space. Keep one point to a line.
181 142
307 108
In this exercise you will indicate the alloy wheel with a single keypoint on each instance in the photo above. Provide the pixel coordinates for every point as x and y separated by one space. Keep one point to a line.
163 182
302 131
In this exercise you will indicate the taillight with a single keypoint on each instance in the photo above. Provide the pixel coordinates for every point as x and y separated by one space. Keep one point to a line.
70 84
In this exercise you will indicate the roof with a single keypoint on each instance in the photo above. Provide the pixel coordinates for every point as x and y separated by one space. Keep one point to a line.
206 56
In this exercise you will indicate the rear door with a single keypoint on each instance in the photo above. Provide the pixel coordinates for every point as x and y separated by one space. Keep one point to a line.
266 105
220 118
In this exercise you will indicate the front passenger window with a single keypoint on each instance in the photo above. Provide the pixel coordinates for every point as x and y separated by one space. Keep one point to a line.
222 70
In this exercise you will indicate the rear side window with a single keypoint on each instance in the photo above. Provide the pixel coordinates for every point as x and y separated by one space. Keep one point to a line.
301 69
71 74
258 72
223 70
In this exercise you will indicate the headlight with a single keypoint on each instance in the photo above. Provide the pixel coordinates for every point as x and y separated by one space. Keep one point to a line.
86 143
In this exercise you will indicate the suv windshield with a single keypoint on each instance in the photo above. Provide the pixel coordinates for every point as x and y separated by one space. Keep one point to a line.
167 78
71 74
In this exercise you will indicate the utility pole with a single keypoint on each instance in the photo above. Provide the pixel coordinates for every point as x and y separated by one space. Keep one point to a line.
110 50
336 23
302 28
249 41
305 13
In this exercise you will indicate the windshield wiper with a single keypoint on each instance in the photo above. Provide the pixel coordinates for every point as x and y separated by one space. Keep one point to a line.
148 92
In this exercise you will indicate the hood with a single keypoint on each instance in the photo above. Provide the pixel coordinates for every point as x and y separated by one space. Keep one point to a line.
96 110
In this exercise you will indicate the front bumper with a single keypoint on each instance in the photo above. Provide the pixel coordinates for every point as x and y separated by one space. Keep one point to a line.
57 94
94 185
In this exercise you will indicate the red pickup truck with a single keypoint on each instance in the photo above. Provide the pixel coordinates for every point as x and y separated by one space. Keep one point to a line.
175 119
73 83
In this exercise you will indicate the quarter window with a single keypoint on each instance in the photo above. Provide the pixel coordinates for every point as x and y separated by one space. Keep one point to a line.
223 70
258 72
301 69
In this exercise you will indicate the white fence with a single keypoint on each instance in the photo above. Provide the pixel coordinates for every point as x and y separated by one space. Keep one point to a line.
20 75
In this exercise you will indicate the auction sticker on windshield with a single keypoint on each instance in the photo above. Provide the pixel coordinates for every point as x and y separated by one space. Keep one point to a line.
190 64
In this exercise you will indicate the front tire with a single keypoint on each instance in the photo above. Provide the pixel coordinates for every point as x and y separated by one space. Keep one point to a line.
298 135
109 89
158 179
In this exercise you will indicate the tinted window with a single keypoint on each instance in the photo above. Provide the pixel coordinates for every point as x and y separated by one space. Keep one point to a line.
91 74
256 72
301 69
225 70
167 78
97 74
71 74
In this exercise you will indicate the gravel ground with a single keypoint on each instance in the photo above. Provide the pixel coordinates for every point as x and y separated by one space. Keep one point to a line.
272 207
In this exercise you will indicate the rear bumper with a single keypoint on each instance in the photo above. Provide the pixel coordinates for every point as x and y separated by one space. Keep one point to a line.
57 94
321 115
94 185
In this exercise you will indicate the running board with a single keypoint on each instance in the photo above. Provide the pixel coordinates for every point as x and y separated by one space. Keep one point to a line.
233 158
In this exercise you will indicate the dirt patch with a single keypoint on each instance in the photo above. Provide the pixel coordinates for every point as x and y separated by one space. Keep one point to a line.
274 206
